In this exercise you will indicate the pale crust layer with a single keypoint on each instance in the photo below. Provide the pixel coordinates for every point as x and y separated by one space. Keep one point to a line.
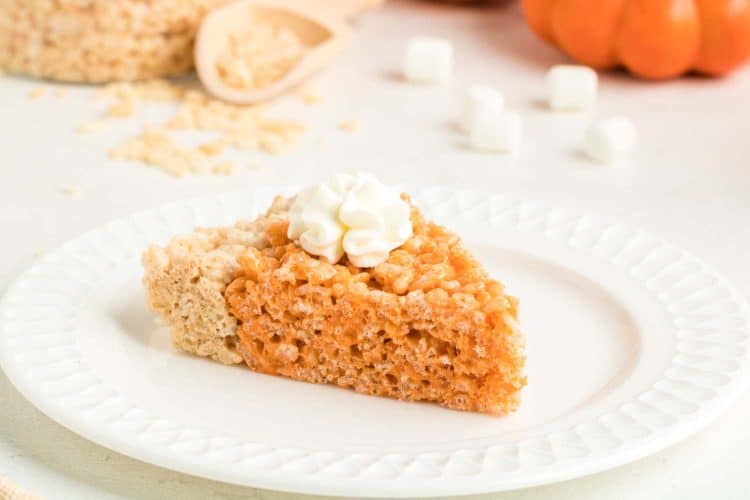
185 282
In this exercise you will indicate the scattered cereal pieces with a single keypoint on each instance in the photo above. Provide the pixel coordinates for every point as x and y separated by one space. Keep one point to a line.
241 127
61 93
157 148
349 125
124 96
37 93
73 190
92 127
258 56
254 165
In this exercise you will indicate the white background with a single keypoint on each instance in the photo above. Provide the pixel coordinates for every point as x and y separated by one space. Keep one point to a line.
689 183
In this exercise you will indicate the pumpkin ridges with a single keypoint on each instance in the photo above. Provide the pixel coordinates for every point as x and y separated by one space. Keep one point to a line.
725 35
584 30
658 39
535 12
652 38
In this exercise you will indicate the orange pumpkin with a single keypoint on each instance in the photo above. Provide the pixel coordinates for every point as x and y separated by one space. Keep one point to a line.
651 38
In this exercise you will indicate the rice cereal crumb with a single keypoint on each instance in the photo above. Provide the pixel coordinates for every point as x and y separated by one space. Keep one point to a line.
123 108
213 148
311 99
37 93
73 190
309 95
351 125
224 168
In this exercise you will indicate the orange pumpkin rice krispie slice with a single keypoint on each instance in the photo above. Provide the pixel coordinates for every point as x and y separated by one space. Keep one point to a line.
427 324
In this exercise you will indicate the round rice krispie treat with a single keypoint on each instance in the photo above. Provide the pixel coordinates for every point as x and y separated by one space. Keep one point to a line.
99 40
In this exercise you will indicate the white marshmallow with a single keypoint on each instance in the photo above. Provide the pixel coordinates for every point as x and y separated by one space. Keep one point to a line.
478 98
497 132
571 88
610 139
428 60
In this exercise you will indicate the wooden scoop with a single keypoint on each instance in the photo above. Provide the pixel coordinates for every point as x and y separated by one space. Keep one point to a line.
319 24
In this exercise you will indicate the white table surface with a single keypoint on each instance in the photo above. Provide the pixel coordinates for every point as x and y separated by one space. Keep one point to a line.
689 182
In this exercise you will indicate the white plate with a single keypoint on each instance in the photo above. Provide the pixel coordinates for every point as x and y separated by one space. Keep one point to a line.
633 344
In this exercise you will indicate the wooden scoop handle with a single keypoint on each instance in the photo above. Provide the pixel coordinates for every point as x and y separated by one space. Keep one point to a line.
343 9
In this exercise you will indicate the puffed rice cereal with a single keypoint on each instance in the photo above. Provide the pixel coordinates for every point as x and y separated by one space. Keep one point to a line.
99 40
241 127
258 56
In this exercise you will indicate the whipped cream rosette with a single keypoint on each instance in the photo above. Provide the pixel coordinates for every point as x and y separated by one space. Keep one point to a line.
355 215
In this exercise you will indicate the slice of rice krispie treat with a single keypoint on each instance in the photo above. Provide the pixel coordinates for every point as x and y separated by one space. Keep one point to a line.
346 285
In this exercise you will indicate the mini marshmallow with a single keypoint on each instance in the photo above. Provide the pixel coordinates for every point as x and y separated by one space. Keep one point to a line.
610 139
571 88
479 98
496 132
428 60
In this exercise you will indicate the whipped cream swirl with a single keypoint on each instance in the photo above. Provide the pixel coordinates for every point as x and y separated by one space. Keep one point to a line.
355 215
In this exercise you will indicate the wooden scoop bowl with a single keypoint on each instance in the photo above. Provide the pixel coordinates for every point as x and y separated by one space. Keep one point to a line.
320 25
